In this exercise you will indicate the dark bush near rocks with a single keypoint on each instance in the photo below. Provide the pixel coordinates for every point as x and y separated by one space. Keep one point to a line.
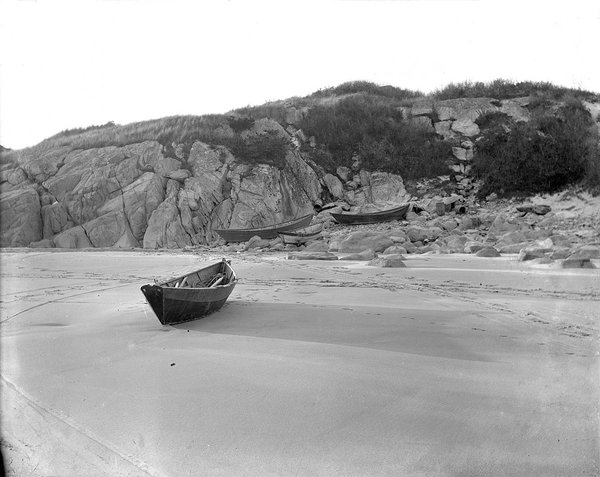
353 87
374 130
554 150
265 148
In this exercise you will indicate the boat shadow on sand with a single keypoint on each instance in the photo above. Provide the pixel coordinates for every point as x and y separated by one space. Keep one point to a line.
359 327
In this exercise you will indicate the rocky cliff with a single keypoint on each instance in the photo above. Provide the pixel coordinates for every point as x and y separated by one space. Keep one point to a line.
155 195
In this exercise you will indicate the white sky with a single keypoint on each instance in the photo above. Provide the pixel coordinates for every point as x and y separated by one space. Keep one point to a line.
66 64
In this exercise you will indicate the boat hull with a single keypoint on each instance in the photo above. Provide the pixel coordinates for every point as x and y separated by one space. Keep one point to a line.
173 305
243 235
397 213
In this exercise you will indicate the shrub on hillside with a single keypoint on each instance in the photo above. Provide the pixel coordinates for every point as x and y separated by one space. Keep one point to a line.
265 148
506 89
240 123
376 131
548 153
353 87
75 131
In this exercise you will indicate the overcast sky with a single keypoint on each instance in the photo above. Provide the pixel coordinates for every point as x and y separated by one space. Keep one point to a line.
67 64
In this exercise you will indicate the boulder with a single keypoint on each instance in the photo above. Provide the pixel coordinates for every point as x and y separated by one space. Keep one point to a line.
586 252
449 224
577 263
397 236
515 110
344 173
379 188
444 129
312 256
179 175
363 240
389 261
334 185
422 108
20 211
256 242
531 253
431 248
503 224
539 209
456 243
17 176
395 250
462 154
410 247
465 127
420 234
560 253
317 246
464 108
487 252
44 243
473 246
262 126
365 255
513 248
559 240
512 238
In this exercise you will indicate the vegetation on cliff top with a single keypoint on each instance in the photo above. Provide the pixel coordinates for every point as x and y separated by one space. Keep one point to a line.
361 119
506 89
363 126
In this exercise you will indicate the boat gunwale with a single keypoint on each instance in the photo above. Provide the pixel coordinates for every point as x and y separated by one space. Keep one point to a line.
227 263
270 232
379 213
268 228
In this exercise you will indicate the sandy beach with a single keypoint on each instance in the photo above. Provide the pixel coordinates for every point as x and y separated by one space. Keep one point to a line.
454 365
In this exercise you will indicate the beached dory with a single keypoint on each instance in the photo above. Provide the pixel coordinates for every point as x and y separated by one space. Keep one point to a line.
191 296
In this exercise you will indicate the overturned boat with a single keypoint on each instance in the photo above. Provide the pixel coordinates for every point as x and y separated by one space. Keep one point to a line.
191 296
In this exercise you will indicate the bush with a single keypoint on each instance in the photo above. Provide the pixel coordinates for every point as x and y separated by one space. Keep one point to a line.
353 87
552 151
265 148
240 123
374 130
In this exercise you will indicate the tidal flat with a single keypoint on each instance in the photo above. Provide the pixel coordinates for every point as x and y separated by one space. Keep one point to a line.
453 365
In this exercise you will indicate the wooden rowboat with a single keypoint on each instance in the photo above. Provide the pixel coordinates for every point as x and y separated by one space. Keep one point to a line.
191 296
270 232
301 236
397 213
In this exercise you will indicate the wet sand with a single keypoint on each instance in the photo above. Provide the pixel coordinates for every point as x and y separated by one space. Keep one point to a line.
455 365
